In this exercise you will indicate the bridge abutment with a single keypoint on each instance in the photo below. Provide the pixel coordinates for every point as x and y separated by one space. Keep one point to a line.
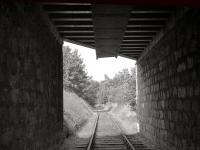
31 103
169 87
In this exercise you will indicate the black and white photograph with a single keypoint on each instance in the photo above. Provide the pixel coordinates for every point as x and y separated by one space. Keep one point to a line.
99 75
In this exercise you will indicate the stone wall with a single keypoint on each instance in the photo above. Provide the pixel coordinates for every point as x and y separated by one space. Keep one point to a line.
31 103
169 87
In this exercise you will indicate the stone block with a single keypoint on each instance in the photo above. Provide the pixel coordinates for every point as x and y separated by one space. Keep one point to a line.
194 75
181 92
181 67
197 91
189 91
187 105
190 62
6 137
196 106
179 104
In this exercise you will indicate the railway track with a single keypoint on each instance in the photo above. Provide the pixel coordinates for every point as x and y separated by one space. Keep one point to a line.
119 141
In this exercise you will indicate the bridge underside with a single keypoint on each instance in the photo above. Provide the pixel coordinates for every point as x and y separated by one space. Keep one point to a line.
163 40
113 30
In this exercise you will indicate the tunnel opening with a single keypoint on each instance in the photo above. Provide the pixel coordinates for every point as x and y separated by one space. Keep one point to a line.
106 90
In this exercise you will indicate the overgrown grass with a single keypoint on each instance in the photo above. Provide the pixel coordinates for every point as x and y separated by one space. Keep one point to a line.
76 112
126 117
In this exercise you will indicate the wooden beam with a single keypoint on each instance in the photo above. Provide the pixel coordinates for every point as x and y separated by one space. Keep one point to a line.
147 22
136 54
87 41
132 55
139 33
73 22
133 44
71 19
136 42
74 26
142 38
145 25
78 37
70 15
69 12
67 7
143 28
129 40
130 46
138 36
76 32
150 15
148 19
131 49
150 11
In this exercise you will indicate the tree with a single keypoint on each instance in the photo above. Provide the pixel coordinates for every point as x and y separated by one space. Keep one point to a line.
103 93
91 92
120 89
75 77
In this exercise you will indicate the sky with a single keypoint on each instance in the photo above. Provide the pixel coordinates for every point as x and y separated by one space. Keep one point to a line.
98 67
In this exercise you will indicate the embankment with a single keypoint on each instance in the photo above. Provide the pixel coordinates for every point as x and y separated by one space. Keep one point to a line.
76 112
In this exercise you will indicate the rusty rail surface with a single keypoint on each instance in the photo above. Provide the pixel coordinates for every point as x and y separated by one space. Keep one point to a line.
127 141
122 142
92 138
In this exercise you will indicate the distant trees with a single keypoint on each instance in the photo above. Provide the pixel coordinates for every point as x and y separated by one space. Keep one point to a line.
120 89
75 77
91 92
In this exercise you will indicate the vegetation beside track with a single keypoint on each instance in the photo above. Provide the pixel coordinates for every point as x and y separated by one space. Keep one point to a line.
76 112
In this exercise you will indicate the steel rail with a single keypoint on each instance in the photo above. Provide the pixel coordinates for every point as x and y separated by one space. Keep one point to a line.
92 138
123 135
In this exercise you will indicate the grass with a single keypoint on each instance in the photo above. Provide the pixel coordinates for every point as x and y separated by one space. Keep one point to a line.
126 118
76 112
